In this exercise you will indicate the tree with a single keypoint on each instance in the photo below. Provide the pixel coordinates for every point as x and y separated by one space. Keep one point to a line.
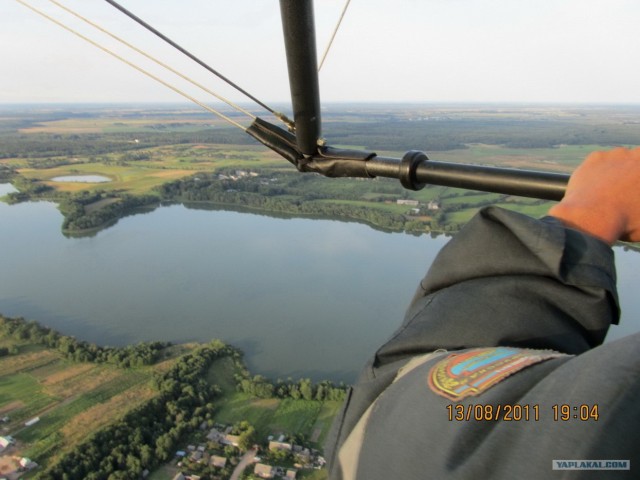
247 438
306 389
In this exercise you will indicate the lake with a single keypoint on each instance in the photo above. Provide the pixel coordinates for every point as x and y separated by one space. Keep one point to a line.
300 297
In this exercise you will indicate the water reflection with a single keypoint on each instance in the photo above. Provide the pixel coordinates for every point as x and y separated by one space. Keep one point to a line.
81 179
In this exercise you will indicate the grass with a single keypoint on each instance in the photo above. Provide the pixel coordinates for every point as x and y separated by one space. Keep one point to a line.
23 388
325 418
132 179
313 474
272 415
163 473
295 416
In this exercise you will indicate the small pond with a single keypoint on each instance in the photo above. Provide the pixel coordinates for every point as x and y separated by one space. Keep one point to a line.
82 179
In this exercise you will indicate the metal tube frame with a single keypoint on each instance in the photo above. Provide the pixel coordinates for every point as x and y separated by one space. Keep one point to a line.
298 27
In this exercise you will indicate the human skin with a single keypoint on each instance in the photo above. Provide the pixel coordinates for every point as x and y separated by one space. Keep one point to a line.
603 196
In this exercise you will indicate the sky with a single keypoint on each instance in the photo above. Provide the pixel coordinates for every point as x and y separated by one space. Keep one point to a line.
567 51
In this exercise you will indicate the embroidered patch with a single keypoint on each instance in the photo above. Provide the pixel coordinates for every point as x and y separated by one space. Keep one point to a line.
470 373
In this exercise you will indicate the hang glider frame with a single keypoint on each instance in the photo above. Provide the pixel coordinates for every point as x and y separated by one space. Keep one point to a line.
305 149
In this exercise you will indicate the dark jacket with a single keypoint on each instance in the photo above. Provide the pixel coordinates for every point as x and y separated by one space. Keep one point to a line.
440 401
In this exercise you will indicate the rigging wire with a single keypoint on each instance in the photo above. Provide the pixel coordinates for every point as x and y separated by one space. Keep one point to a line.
153 59
335 31
138 20
131 64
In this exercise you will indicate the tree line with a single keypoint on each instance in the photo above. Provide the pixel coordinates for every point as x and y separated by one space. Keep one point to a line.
261 387
77 215
456 133
43 145
146 353
274 199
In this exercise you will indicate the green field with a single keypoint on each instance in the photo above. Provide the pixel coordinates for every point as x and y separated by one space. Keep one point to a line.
310 419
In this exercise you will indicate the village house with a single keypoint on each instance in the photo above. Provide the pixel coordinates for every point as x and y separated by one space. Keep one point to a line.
411 203
291 474
27 463
276 445
264 471
433 205
217 461
233 440
214 435
4 443
303 455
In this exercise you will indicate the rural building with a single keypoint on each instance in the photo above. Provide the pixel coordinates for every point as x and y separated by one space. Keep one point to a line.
214 435
273 445
195 456
4 442
217 461
33 421
179 476
302 454
433 205
263 471
403 201
27 463
291 474
233 440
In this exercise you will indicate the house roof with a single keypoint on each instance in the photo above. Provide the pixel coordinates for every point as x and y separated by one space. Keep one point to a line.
265 471
279 446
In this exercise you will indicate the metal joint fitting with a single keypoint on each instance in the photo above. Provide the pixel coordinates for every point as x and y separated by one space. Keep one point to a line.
408 167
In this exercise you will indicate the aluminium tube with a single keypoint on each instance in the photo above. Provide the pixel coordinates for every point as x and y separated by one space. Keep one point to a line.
508 181
300 43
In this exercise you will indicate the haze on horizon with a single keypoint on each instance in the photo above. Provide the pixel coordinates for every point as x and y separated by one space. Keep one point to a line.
534 51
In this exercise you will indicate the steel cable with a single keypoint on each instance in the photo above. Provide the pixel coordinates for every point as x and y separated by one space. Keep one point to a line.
335 31
141 22
131 64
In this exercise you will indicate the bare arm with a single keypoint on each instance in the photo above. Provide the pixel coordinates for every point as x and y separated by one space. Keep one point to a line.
603 196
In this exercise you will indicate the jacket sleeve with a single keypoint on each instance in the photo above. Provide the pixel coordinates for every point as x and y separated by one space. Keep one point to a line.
507 279
504 280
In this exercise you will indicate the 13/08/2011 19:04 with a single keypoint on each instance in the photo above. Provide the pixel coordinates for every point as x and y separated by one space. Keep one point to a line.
517 412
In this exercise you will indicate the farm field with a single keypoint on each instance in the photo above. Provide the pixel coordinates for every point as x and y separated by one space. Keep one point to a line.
69 399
